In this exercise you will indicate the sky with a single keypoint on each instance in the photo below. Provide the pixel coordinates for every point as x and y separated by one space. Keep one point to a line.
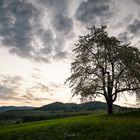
36 42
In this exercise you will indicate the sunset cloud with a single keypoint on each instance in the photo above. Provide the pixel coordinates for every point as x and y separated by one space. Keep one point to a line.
9 87
12 87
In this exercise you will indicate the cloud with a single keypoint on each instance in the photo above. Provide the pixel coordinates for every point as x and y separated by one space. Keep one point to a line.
91 11
123 21
131 31
62 24
124 36
39 87
61 55
37 30
30 97
137 2
16 27
134 28
7 92
57 6
10 87
61 28
41 30
35 92
58 12
36 69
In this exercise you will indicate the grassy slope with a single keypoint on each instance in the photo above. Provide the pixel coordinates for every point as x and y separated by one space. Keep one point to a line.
14 116
90 127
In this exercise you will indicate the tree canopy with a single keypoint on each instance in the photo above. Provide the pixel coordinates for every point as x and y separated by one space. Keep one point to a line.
104 65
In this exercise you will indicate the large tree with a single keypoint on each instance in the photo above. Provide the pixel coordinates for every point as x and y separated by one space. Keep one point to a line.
103 65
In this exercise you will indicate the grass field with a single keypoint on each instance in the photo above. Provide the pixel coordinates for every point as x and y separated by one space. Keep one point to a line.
90 127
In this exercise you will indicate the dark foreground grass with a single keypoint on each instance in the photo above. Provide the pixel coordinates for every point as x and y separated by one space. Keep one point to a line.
90 127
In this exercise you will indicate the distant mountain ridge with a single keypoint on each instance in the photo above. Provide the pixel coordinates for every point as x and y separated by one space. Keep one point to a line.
71 107
13 114
66 107
9 108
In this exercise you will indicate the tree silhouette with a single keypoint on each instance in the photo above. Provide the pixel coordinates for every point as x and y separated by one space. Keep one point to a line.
105 66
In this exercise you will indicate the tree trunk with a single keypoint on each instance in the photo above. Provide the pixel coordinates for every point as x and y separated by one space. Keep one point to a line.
110 107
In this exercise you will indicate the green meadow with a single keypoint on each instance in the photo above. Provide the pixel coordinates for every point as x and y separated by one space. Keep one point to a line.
97 126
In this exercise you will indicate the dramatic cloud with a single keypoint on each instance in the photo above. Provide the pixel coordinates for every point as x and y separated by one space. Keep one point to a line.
62 24
137 1
42 30
124 37
46 31
36 30
91 11
131 31
16 27
57 6
58 14
60 31
134 28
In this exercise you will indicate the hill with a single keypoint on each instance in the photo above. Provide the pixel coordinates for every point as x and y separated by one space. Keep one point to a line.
9 108
58 106
20 116
72 107
53 111
95 126
68 107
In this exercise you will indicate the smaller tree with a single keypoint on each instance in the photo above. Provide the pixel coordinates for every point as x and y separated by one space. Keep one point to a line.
104 66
